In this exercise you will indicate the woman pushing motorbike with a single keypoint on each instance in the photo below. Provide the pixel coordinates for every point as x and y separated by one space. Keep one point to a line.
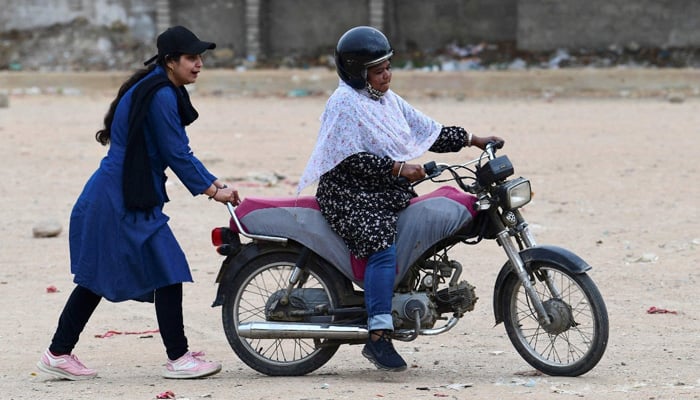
121 246
367 136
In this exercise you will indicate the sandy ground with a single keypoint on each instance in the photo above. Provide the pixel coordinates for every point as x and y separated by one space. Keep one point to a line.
615 177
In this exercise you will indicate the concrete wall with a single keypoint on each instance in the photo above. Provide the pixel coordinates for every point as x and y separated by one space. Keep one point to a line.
222 22
308 27
429 25
275 29
138 15
550 24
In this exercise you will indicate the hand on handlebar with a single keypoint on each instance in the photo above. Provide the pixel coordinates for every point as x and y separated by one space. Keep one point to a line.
227 194
482 141
412 172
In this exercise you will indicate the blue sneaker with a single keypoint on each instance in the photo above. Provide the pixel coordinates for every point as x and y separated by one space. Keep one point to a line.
382 354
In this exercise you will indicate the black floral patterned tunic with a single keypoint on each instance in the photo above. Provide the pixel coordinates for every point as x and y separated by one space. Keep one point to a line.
360 198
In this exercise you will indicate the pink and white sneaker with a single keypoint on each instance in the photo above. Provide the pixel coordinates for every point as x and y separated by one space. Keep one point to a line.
64 367
190 366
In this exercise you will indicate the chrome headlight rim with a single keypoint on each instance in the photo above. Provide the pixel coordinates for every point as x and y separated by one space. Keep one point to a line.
515 193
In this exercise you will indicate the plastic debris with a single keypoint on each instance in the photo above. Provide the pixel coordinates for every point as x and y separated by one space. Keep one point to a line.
168 394
644 258
298 93
655 310
111 333
459 386
51 289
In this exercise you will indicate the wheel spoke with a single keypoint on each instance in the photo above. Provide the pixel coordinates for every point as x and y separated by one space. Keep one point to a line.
252 299
571 332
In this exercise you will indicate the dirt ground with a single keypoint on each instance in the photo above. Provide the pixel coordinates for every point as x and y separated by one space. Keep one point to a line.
614 171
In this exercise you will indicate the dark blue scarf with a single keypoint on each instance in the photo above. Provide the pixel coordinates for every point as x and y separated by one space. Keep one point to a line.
137 180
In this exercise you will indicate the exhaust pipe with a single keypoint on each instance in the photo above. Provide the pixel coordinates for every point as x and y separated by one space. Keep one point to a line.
291 330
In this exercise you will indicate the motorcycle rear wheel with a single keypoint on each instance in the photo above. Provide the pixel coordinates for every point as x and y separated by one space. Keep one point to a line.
253 286
575 340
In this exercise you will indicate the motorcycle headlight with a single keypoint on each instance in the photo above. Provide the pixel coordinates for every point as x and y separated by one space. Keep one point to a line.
515 193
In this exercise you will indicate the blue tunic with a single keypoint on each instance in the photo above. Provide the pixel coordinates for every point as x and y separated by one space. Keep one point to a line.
121 254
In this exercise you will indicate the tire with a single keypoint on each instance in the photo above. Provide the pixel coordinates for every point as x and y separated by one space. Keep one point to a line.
252 288
574 342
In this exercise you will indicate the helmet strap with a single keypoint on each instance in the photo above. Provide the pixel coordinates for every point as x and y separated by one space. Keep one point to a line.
374 94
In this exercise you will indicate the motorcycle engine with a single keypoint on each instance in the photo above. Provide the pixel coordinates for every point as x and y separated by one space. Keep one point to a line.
404 307
458 299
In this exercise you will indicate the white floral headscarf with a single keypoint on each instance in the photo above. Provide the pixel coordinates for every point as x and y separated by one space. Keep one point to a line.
353 123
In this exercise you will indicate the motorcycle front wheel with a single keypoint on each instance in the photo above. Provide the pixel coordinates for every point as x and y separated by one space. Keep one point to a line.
574 340
257 282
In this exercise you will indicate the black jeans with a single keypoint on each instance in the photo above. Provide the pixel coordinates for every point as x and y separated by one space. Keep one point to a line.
83 302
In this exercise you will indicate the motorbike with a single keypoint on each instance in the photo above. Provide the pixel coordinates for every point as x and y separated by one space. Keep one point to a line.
291 294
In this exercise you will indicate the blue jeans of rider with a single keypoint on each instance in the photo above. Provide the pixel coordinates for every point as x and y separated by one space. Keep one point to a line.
379 288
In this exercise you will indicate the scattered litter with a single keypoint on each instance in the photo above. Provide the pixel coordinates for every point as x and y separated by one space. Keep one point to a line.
560 58
644 258
496 352
298 93
530 383
168 394
563 391
52 289
459 386
452 386
517 64
111 333
267 179
655 310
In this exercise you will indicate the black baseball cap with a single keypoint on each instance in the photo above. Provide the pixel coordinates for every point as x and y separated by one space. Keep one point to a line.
179 40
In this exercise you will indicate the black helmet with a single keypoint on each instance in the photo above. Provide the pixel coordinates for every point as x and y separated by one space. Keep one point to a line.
357 49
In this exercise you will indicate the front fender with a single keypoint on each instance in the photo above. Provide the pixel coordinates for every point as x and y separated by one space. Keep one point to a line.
233 264
552 254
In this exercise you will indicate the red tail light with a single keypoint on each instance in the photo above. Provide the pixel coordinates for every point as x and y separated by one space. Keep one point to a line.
217 236
226 241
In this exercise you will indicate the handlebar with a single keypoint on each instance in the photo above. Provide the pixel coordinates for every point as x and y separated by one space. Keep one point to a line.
491 148
434 169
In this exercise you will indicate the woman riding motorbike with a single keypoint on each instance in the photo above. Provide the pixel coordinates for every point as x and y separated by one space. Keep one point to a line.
367 135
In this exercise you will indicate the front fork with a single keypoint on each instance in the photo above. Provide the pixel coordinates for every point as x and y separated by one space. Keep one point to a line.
505 239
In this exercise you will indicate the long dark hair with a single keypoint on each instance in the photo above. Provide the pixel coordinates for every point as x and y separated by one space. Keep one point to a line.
103 135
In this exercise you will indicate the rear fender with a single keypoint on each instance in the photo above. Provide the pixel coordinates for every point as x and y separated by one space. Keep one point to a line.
233 264
552 254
